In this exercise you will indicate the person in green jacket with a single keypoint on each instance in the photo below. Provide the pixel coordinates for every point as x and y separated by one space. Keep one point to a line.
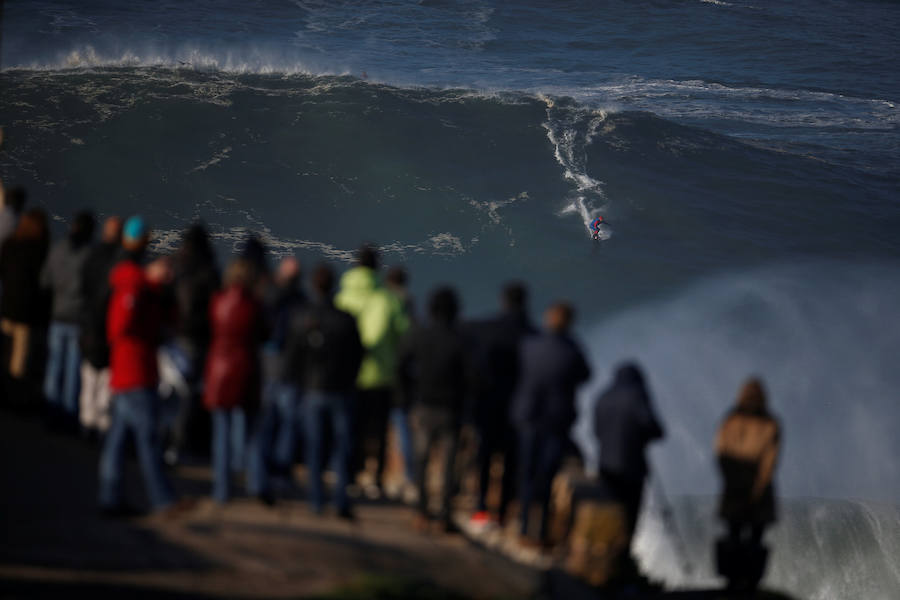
382 322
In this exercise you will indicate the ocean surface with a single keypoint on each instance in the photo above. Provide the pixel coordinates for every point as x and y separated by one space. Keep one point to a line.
745 154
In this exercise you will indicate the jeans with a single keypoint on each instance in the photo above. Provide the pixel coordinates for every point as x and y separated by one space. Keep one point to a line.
540 456
133 411
282 419
63 379
331 409
400 423
230 447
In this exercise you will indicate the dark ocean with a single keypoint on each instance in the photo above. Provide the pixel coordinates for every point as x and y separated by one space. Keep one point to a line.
746 155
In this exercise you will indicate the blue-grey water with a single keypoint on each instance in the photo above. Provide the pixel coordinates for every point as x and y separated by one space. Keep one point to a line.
744 153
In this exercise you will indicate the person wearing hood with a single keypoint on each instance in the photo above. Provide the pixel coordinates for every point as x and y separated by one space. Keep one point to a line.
323 354
625 424
382 322
62 275
747 448
135 319
551 368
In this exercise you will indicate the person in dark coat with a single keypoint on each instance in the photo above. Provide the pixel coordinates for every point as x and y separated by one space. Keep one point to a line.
496 360
62 276
232 379
281 396
196 279
324 353
135 318
436 372
24 306
747 447
95 394
552 366
625 424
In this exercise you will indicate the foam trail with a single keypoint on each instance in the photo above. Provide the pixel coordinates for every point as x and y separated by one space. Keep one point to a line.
570 128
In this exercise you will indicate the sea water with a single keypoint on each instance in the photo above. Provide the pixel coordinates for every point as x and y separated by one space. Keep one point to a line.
745 155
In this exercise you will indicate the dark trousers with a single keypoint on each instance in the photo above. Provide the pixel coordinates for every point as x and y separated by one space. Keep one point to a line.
540 455
433 427
372 409
626 492
497 438
328 411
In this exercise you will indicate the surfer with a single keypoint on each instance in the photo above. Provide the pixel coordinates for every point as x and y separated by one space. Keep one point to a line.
595 227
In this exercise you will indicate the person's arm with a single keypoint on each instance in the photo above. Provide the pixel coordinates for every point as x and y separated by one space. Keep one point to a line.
767 464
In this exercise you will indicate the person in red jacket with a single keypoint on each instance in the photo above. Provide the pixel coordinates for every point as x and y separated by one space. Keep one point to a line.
232 381
134 320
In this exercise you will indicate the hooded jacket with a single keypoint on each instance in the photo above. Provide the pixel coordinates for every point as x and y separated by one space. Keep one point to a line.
133 323
323 348
381 321
232 365
552 367
625 423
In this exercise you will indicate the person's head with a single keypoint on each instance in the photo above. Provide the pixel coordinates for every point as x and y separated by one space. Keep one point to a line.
254 251
629 373
160 271
288 273
396 278
368 256
239 273
135 234
514 297
112 230
15 198
32 226
81 231
443 305
558 317
322 280
195 244
752 397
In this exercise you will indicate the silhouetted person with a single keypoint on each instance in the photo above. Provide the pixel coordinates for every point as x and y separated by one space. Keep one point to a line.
62 275
281 396
497 372
625 424
436 370
232 381
552 367
13 204
196 279
23 306
324 353
747 448
95 393
134 322
381 322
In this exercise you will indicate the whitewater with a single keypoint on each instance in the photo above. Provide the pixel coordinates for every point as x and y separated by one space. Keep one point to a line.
744 154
